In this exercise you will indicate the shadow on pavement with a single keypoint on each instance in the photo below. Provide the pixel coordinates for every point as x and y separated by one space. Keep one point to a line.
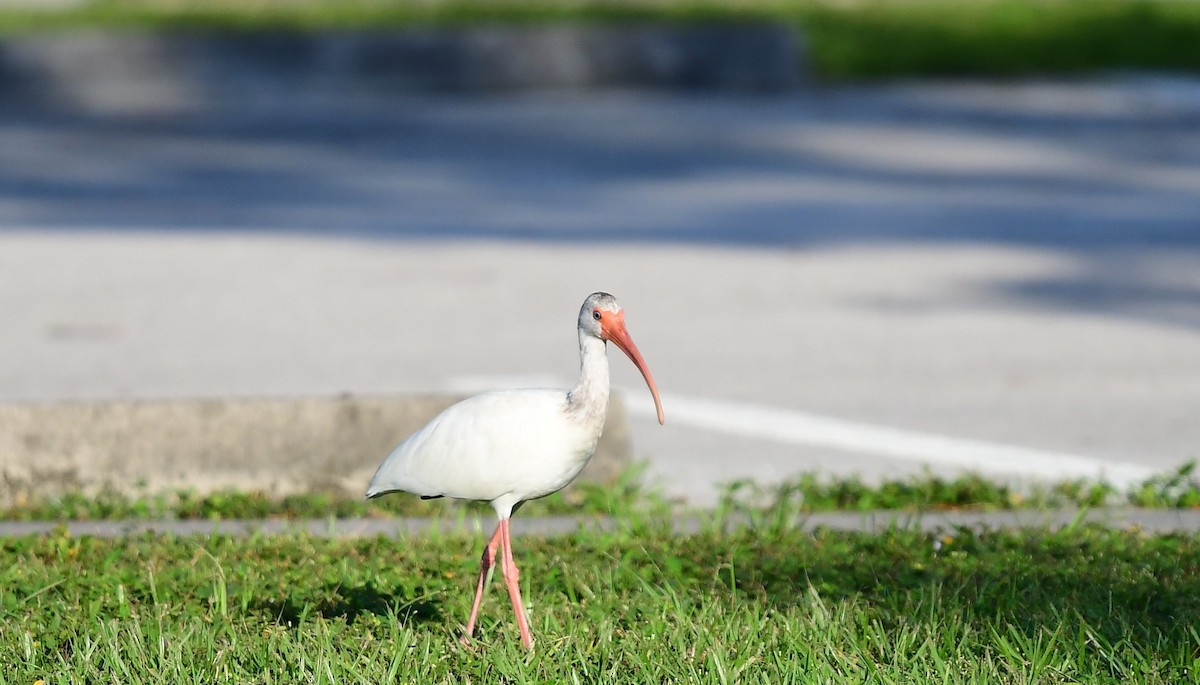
1096 176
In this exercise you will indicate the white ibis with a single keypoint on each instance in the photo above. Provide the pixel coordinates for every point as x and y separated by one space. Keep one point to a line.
509 446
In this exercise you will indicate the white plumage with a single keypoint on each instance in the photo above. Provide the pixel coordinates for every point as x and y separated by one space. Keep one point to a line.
491 445
510 446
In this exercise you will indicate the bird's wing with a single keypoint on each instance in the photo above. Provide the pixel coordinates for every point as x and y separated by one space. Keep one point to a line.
486 446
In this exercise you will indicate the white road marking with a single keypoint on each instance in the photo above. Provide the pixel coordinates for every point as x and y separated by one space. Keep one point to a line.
804 429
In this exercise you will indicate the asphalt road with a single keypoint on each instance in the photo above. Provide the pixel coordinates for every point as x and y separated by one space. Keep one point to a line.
1003 278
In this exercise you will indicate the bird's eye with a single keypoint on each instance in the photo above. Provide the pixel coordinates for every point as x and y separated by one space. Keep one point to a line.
596 314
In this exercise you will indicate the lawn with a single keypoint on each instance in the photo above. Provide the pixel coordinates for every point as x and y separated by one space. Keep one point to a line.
770 603
845 39
639 605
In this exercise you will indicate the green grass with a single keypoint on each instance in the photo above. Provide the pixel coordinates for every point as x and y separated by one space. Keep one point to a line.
808 493
626 495
769 605
847 39
1003 37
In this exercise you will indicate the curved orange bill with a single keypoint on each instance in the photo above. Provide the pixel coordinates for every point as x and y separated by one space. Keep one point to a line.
621 339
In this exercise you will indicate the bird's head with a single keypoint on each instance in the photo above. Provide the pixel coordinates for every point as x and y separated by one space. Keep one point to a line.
602 317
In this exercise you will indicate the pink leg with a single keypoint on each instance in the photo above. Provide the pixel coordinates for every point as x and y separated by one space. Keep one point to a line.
512 577
486 563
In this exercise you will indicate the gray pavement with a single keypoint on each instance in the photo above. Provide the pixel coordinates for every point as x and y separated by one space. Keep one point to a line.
855 280
1143 520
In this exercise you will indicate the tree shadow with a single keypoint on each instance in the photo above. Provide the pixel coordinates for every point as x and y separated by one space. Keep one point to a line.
1085 184
1137 592
351 603
622 171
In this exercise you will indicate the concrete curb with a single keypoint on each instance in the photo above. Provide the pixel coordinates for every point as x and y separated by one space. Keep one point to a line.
1145 520
273 445
179 71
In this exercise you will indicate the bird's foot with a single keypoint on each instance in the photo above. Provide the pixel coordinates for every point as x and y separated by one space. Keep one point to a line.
467 643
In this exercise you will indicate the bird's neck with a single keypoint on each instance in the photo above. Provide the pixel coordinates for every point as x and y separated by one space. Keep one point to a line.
588 400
